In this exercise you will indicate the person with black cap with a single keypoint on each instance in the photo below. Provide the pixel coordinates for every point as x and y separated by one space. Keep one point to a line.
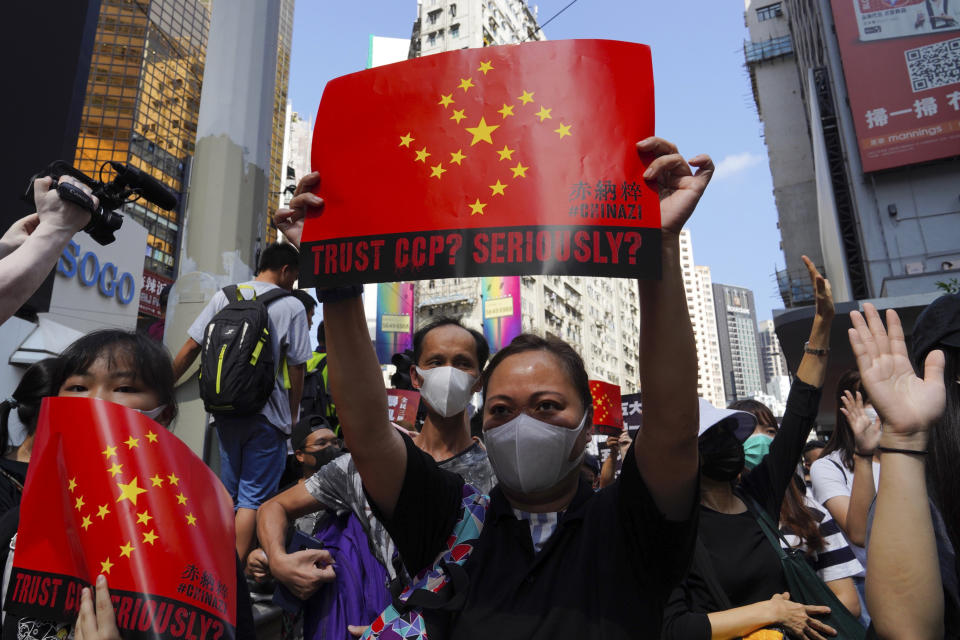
913 583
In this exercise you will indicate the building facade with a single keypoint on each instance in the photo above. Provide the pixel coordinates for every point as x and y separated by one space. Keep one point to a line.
774 364
697 283
736 318
278 172
447 25
298 138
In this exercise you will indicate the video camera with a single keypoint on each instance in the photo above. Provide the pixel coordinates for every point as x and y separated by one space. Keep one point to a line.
129 185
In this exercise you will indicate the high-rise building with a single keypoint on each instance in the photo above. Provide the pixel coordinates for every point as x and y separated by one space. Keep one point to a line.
277 167
774 364
698 286
447 25
737 332
298 137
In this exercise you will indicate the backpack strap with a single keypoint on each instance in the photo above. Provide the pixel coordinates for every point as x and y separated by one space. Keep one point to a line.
842 471
232 293
272 296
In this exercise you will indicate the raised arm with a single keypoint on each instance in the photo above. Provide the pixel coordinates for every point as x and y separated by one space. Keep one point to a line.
866 434
666 449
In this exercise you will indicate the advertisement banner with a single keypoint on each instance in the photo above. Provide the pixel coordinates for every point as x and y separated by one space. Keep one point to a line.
607 412
402 406
501 310
901 60
394 319
153 284
111 492
508 160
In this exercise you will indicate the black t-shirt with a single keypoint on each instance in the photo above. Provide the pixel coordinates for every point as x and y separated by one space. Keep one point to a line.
12 476
605 572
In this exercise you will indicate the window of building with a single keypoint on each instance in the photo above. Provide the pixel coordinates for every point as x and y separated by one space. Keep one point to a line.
770 11
455 31
453 10
432 38
433 16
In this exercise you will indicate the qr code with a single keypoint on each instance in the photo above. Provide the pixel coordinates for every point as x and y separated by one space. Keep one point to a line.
935 65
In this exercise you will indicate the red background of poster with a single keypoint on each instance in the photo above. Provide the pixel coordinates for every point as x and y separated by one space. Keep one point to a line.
153 284
876 76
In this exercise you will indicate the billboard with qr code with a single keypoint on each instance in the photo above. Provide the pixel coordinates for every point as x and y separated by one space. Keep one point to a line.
901 61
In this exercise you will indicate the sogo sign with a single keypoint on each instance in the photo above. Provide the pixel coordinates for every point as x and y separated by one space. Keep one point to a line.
90 272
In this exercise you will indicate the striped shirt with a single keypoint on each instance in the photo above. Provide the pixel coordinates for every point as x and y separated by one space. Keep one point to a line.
837 560
542 526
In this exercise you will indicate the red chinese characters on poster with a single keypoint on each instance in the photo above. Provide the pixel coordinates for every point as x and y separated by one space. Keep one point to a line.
111 492
487 162
901 60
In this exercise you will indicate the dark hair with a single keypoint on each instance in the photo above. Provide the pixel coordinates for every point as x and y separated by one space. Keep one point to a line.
943 449
276 256
842 437
150 360
567 355
483 349
813 444
309 304
797 517
321 334
38 382
761 412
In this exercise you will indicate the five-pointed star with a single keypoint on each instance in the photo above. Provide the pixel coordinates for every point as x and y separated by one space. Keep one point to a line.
149 536
105 566
507 110
86 522
437 171
519 171
191 520
126 550
506 153
544 113
564 130
142 518
465 84
130 491
157 481
72 485
526 97
103 511
109 451
457 157
422 155
79 503
132 442
484 67
445 100
172 479
182 499
406 140
151 436
458 115
115 469
477 207
482 132
498 188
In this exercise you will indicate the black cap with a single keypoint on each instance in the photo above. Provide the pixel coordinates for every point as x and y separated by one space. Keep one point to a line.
591 462
938 325
305 427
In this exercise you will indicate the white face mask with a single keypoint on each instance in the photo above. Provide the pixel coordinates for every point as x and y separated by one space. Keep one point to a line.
446 389
871 413
529 455
153 414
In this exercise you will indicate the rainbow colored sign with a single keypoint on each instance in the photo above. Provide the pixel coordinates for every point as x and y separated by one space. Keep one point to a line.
501 310
394 319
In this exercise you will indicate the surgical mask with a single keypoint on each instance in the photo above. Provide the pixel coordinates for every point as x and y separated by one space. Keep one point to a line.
872 414
721 456
529 455
153 414
446 389
755 448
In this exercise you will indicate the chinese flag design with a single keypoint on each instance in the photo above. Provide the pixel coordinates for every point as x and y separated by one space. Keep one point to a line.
111 492
607 410
519 136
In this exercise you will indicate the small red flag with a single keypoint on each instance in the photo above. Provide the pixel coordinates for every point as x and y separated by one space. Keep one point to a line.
111 492
607 410
487 162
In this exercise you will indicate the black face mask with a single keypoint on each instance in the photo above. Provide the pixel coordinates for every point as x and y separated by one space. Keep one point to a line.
721 455
327 454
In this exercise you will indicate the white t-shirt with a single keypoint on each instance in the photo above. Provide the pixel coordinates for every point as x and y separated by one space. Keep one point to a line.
288 325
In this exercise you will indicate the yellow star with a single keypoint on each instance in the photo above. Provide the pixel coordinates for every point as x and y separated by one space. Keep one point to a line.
109 451
498 188
544 113
506 153
526 97
182 499
79 503
482 132
157 481
151 436
115 469
457 157
445 100
458 115
72 485
142 518
172 479
564 130
191 520
126 550
105 566
422 157
437 171
86 522
465 84
132 442
149 537
406 140
130 491
507 110
103 511
484 67
477 207
519 171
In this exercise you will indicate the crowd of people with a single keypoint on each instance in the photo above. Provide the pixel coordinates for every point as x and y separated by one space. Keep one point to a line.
711 522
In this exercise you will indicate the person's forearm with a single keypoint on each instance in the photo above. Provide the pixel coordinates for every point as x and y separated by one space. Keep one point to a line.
185 357
24 270
296 373
904 590
846 593
733 623
861 497
272 523
608 471
813 368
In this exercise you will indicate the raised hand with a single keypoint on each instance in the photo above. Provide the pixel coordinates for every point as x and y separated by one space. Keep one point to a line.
866 429
907 405
96 621
823 295
680 188
304 572
289 220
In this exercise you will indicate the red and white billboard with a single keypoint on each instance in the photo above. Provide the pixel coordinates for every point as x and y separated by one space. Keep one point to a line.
901 59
